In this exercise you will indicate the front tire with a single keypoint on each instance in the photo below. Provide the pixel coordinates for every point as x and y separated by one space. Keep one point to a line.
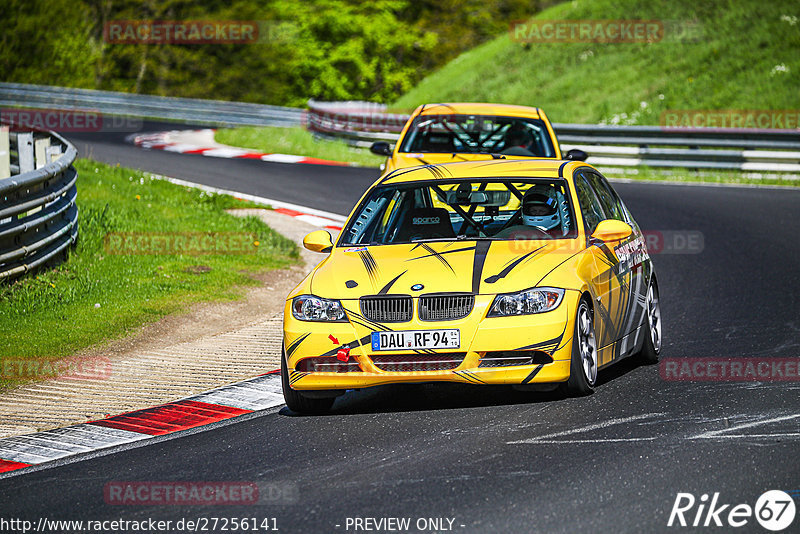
583 365
651 347
296 401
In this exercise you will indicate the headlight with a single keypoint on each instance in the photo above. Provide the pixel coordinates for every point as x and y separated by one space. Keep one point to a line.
538 300
311 308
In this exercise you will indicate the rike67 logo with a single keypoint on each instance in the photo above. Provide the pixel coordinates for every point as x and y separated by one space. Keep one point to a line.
774 510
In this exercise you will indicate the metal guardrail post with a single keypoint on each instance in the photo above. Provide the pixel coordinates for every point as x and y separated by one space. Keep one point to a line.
38 214
25 152
5 153
360 124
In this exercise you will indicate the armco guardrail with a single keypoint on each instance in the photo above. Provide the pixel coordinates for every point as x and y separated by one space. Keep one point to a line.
211 112
361 123
38 215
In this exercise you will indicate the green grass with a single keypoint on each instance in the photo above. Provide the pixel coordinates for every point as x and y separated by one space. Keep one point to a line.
732 65
297 142
54 314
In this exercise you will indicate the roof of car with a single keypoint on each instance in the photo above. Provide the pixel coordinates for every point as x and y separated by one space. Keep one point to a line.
476 108
490 168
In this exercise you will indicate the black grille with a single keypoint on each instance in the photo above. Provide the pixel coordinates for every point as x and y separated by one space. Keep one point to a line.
387 308
418 362
510 358
445 307
323 364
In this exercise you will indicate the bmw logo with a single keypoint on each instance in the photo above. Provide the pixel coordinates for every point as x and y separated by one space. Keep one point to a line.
417 287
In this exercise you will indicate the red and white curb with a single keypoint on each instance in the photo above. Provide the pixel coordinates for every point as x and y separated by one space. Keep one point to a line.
227 402
312 216
202 142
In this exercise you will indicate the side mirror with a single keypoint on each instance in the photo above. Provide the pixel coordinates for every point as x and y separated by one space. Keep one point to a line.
612 230
319 241
576 154
381 148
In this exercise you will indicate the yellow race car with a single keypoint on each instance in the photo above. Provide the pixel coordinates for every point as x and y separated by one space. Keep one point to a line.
523 272
443 133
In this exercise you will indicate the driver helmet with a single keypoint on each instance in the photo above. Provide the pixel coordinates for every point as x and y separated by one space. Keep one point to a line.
540 208
518 136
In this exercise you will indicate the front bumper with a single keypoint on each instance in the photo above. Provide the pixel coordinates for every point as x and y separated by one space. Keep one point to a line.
549 333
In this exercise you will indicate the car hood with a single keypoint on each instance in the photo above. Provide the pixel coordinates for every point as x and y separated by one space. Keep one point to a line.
412 159
480 267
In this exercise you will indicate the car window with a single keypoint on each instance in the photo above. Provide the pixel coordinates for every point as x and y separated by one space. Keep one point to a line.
590 205
608 199
481 134
484 208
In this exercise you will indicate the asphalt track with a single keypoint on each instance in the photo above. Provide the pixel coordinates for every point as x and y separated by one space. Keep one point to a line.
492 459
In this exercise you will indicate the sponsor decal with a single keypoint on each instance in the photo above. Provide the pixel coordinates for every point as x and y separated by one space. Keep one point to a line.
356 249
632 253
425 220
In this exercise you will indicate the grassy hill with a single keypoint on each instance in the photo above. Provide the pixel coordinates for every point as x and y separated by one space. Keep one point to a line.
746 55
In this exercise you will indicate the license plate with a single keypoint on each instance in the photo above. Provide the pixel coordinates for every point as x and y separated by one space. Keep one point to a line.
416 339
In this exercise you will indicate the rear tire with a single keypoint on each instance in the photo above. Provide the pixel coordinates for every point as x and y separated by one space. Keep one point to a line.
651 347
296 401
583 365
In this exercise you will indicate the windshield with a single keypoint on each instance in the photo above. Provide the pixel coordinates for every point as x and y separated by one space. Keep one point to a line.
478 134
503 209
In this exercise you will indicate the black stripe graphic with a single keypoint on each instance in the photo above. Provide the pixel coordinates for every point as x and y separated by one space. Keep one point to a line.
438 256
533 373
542 345
369 264
385 289
510 267
296 343
434 253
481 249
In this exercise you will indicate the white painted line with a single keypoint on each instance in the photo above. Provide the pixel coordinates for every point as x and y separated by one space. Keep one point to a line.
588 428
61 442
712 434
746 436
182 141
282 158
256 394
588 440
261 200
316 221
224 152
179 148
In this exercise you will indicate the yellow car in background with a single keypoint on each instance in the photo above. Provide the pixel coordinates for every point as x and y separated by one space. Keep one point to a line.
523 272
444 133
